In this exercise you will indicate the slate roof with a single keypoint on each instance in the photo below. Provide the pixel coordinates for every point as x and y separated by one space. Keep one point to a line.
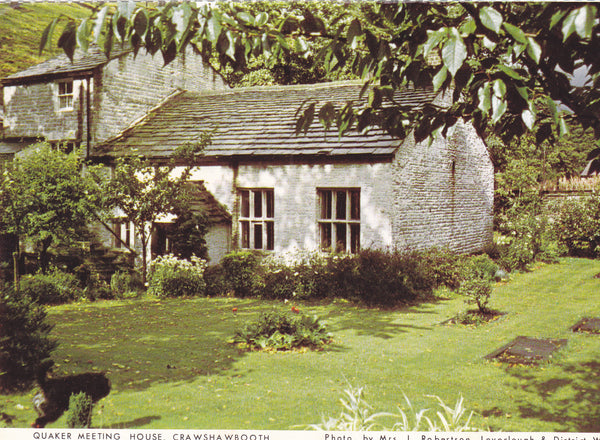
254 122
61 65
203 201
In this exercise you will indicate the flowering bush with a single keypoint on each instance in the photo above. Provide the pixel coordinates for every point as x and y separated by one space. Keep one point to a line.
170 276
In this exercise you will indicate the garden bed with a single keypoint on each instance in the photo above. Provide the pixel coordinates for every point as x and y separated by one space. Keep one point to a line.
527 351
587 325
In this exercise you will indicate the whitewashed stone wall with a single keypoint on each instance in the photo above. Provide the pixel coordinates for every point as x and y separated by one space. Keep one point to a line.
443 193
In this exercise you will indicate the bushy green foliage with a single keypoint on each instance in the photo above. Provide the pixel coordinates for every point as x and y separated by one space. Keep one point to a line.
241 273
55 287
126 285
479 273
282 331
216 281
24 340
375 277
577 225
525 236
170 276
79 414
358 415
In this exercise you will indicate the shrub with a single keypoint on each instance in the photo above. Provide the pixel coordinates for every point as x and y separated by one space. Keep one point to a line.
124 284
216 281
54 288
171 277
526 236
79 414
376 277
478 291
280 331
24 341
577 226
479 272
241 273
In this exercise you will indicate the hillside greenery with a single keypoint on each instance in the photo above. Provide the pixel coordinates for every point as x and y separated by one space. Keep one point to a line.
22 24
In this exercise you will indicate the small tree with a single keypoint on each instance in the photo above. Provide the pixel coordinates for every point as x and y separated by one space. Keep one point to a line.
45 197
24 339
144 192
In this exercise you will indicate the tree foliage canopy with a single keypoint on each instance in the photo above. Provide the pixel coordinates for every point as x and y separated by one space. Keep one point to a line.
494 59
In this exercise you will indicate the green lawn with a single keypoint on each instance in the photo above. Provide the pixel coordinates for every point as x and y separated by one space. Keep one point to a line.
171 366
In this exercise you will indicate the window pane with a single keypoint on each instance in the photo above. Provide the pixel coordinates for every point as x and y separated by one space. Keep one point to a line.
355 205
245 204
270 236
257 203
270 200
245 235
258 238
340 237
354 238
326 236
326 202
340 207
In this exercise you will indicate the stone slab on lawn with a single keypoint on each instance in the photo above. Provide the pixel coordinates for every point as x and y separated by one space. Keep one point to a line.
527 350
588 325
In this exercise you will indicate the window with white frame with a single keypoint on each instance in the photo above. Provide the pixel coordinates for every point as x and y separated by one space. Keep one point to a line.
339 219
65 95
257 219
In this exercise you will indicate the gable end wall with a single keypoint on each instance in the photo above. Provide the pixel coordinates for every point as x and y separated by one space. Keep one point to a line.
131 86
443 193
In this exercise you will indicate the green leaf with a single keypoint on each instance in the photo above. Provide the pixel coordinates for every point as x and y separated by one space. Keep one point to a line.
47 35
261 19
510 72
246 17
556 18
213 29
563 127
140 22
83 34
300 45
484 94
533 49
528 119
491 18
553 109
488 44
499 88
354 31
327 115
434 38
498 108
454 52
439 78
516 33
584 21
68 40
469 27
100 23
375 97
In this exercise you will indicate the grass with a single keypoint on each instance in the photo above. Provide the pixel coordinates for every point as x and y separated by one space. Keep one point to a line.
21 28
171 367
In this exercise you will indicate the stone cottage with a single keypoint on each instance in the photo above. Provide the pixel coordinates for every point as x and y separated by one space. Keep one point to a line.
321 190
265 187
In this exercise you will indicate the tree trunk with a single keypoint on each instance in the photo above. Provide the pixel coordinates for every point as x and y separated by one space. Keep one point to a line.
17 277
43 257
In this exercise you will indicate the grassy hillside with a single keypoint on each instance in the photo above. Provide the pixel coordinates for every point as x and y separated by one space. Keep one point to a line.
21 27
